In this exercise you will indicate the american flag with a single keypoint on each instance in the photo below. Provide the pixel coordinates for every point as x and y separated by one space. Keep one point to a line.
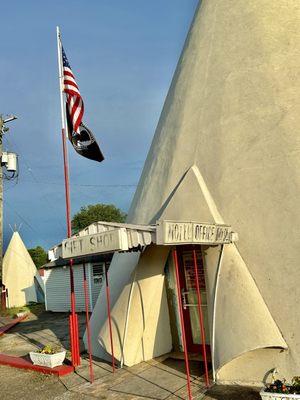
74 100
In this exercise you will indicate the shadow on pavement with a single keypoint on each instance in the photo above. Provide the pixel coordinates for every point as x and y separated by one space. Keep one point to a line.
233 393
47 328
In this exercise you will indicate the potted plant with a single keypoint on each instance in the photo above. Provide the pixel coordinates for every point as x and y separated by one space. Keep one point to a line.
281 390
48 356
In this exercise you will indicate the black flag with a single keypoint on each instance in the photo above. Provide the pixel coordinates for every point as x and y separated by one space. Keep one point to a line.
84 142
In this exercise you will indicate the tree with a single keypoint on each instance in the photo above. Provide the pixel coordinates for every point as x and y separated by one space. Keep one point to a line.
97 212
38 255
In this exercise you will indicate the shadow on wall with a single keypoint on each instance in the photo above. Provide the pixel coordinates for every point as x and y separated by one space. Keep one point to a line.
116 332
40 295
155 336
30 294
161 326
121 333
142 316
34 293
171 292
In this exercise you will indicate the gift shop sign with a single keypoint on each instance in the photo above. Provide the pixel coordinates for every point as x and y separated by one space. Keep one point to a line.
103 242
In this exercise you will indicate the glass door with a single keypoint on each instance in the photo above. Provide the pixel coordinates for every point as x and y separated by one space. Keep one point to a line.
189 298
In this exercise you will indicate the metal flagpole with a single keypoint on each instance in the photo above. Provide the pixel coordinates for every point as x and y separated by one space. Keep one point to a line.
188 379
86 297
199 306
109 318
73 320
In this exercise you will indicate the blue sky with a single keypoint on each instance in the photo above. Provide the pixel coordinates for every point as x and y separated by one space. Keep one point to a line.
123 54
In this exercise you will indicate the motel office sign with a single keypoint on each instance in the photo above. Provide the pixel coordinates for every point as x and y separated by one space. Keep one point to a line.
172 233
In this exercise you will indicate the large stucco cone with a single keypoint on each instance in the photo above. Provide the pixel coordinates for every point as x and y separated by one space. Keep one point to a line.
20 275
229 132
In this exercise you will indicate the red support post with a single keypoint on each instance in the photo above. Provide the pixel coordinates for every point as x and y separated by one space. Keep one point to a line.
77 344
3 296
109 318
87 316
74 334
187 367
71 330
201 320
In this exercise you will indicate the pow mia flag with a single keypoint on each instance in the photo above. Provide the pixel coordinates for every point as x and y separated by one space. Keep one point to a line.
84 141
80 136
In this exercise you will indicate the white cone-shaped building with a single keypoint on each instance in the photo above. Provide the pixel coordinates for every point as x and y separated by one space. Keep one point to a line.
20 275
226 149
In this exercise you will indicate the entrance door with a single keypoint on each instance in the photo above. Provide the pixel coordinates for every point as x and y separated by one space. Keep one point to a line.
189 298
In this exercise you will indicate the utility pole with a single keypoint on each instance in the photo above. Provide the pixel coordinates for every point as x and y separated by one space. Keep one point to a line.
3 130
2 127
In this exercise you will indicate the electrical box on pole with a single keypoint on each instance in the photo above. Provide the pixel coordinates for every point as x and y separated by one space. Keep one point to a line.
10 161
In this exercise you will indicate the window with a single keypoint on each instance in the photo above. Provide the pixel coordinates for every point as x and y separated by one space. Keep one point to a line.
98 273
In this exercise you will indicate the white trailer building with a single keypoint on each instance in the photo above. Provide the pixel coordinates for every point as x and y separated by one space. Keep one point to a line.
57 283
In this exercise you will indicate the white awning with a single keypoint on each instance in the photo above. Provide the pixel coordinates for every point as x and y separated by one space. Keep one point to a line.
104 237
107 237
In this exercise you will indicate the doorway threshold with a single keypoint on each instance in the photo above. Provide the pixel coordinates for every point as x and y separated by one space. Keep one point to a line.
177 355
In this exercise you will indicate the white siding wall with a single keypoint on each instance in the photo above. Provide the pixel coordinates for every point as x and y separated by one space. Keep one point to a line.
57 285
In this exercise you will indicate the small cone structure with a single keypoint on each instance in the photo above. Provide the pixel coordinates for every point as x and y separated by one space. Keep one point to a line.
226 149
20 274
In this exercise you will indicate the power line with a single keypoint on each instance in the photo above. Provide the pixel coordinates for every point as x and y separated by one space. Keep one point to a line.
44 182
89 185
10 187
29 169
38 181
93 185
23 219
86 184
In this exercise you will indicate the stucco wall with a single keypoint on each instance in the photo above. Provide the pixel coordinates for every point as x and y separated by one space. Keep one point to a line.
232 111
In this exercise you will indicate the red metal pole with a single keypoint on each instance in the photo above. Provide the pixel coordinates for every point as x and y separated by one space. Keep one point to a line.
71 329
188 379
199 306
73 317
3 297
109 318
86 297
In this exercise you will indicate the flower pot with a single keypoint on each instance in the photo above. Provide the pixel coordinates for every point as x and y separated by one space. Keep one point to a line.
278 396
47 360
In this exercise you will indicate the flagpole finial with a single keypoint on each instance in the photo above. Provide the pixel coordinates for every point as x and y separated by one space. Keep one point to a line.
58 31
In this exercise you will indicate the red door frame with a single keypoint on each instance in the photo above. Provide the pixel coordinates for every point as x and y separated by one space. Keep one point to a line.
191 346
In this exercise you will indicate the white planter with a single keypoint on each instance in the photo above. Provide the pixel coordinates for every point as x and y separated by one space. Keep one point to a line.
277 396
47 360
